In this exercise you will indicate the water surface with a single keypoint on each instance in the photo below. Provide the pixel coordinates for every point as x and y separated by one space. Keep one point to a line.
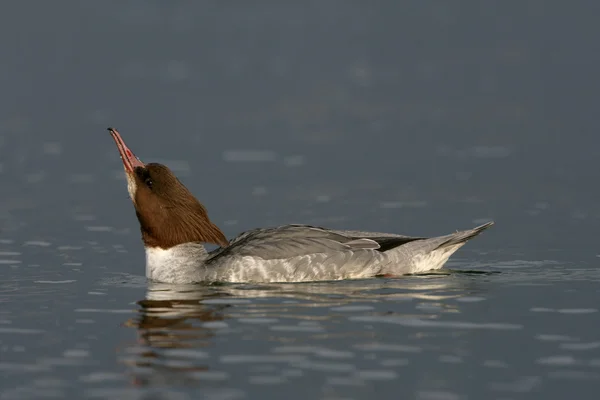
508 329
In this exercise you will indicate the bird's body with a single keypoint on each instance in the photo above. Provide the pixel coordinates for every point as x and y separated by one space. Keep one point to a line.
301 253
175 226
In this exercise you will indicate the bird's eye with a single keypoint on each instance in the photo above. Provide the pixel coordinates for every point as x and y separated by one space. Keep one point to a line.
149 182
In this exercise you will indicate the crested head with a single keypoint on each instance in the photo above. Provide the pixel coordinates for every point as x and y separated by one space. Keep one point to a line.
167 211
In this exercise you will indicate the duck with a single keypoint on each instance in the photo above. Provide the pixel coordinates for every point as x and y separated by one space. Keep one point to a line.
175 228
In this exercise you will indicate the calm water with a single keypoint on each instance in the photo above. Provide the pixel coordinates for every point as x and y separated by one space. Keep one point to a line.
418 118
504 330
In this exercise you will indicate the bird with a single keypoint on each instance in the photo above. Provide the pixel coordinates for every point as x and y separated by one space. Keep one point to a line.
175 227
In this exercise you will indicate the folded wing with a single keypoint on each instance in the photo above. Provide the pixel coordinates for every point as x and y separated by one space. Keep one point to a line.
298 240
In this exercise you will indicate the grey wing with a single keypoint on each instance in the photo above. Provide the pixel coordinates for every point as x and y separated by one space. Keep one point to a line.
297 240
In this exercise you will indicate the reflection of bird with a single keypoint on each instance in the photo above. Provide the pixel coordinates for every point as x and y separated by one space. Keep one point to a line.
171 323
174 225
170 330
178 325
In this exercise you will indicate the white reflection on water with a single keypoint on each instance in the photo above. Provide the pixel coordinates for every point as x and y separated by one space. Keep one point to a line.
306 328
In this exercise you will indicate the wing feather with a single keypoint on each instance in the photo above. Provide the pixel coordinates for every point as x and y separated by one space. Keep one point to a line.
298 240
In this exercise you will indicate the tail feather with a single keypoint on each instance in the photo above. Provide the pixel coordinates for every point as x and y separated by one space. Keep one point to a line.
428 254
463 236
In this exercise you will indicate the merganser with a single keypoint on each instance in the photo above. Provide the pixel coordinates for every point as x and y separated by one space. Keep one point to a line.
175 226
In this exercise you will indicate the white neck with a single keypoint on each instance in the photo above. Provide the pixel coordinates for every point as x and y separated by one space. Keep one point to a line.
179 264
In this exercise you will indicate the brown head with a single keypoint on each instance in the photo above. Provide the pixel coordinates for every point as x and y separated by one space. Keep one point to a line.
168 213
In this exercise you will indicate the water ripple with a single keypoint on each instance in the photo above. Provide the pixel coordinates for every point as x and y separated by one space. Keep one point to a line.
420 323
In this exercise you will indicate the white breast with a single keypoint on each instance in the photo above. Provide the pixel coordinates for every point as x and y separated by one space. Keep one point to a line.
180 264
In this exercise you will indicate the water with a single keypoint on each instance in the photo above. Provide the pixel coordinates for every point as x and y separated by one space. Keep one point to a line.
417 118
504 330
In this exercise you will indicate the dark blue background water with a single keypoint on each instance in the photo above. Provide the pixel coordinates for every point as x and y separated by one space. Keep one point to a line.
420 118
